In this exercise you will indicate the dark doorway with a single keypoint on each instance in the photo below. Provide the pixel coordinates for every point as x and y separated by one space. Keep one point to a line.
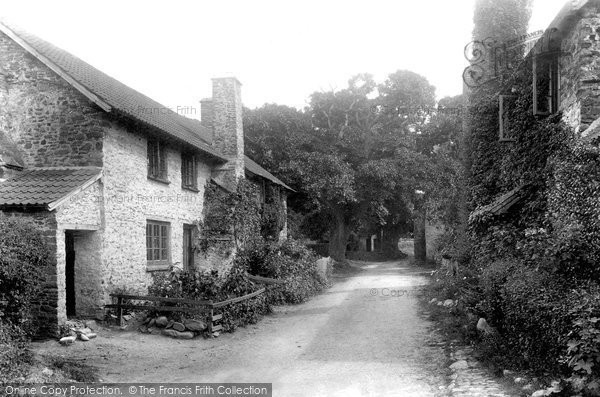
188 247
70 272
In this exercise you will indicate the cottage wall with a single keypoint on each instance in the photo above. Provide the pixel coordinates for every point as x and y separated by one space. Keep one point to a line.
130 199
83 214
51 123
580 71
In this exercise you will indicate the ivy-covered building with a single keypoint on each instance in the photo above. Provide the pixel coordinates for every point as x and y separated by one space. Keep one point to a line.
549 74
114 179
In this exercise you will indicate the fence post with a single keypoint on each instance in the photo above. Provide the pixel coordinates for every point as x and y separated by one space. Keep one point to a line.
120 311
210 318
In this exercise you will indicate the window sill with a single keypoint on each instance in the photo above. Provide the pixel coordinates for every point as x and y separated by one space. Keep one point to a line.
158 267
159 180
190 188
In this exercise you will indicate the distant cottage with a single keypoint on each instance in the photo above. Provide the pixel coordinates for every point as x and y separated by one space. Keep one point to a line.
116 188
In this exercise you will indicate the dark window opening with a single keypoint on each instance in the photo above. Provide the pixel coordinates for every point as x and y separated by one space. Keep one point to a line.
545 84
505 104
157 160
189 172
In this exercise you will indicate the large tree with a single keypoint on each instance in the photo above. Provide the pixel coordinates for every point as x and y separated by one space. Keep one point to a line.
359 162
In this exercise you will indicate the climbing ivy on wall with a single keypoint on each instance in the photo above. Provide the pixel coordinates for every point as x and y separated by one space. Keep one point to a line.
234 219
531 266
230 219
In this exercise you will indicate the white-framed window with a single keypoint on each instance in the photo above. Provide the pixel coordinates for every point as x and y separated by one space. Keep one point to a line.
158 252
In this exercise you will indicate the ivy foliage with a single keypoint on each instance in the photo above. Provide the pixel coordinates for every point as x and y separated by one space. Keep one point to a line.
235 219
23 252
533 272
210 285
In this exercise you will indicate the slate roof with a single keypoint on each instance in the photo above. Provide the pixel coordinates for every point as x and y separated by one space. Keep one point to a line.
120 97
44 186
593 131
9 155
256 169
501 204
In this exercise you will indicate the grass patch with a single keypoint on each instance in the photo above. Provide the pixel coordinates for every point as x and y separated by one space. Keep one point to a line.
73 369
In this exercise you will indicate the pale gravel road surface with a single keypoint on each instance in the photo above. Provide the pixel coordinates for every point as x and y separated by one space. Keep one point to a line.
362 337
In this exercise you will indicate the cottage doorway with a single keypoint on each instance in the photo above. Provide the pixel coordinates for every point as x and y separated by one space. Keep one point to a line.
70 272
188 247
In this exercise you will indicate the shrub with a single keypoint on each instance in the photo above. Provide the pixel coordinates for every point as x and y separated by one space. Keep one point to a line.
534 317
23 254
582 356
210 285
291 262
14 354
492 282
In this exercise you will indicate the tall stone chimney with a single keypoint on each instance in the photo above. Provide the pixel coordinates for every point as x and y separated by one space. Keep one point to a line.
206 113
224 112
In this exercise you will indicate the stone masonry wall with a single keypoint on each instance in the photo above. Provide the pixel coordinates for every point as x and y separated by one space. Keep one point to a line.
83 211
580 71
51 123
228 130
130 199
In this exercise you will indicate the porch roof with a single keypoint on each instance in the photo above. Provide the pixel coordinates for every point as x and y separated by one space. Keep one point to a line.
46 187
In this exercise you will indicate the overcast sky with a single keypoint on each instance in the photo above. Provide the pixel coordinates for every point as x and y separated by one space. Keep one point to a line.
281 51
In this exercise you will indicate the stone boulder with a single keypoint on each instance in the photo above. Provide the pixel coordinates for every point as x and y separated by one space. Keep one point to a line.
178 327
161 321
322 265
460 364
178 335
195 325
67 340
483 326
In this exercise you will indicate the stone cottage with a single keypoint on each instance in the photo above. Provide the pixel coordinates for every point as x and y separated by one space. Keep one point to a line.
566 79
113 178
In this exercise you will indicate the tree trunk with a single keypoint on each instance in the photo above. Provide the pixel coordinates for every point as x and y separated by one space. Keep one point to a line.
338 238
420 243
389 243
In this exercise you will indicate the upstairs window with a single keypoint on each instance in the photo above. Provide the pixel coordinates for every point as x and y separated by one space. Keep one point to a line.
157 245
545 84
505 103
189 172
157 160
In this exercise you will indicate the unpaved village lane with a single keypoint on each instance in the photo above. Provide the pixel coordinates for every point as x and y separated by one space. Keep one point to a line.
362 337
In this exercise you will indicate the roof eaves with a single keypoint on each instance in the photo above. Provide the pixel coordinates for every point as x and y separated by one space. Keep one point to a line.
90 95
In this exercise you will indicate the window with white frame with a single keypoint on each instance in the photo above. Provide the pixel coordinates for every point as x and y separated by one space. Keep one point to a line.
158 245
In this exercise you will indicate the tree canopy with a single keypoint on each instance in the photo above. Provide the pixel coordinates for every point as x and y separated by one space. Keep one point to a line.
357 155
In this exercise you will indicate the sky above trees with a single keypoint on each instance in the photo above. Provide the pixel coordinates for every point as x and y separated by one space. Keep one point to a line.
281 51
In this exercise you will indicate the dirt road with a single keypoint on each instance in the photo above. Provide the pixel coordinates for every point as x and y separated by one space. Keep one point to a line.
362 337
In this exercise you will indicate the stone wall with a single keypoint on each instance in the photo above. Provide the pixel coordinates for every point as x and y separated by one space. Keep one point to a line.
130 199
580 71
83 213
51 123
227 127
